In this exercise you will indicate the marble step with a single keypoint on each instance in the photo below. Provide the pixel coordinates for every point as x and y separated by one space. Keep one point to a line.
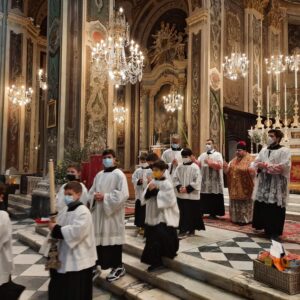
25 199
222 277
130 287
176 283
17 214
215 275
19 206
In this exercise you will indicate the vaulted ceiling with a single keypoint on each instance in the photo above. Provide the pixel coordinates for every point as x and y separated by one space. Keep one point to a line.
38 10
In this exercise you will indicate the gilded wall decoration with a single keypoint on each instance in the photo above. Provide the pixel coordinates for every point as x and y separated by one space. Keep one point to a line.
275 15
121 128
215 79
54 36
27 131
258 5
168 44
215 33
215 118
13 125
143 113
196 91
97 10
99 5
294 37
232 93
233 34
96 93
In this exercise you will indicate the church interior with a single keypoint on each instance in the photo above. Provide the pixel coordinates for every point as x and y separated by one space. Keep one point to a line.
80 76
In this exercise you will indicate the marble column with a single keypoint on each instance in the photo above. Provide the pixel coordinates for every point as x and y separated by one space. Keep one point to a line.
197 108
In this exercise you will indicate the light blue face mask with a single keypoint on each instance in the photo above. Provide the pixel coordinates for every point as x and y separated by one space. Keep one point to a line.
108 162
175 146
68 199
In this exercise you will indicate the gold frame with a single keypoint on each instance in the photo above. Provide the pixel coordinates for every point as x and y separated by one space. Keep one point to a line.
51 108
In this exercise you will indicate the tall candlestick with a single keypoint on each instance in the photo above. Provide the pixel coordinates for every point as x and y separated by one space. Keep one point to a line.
285 99
52 187
268 101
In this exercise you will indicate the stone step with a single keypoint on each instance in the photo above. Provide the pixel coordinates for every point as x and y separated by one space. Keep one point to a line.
31 238
228 279
19 206
129 287
17 214
25 199
176 283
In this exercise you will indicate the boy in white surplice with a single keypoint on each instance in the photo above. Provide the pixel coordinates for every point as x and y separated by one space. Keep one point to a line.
76 249
108 196
162 218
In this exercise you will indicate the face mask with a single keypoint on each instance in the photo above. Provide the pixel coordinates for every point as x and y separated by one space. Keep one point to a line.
108 162
71 177
157 174
208 147
175 146
270 141
186 160
144 165
68 199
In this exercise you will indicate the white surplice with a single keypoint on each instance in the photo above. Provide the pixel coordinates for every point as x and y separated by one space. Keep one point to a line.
168 156
109 214
6 256
138 174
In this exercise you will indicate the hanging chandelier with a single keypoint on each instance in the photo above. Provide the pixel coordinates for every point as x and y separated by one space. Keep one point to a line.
275 64
122 58
120 114
293 62
173 101
20 95
236 66
42 79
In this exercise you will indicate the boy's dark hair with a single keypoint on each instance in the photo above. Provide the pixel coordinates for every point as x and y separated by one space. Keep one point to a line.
161 165
109 151
143 156
75 166
75 186
210 140
278 133
2 189
152 157
186 152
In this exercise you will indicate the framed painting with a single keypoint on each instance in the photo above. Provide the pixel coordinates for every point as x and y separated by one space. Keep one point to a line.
51 113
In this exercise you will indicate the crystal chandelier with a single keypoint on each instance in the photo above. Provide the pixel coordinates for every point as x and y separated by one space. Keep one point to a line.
122 58
173 101
275 64
236 66
42 78
19 95
120 114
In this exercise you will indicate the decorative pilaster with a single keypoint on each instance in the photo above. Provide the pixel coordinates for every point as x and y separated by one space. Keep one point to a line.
197 108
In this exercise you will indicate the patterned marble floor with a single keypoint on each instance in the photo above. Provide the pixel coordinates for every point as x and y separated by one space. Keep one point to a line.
30 271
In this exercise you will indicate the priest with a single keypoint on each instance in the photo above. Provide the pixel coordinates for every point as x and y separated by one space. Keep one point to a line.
271 191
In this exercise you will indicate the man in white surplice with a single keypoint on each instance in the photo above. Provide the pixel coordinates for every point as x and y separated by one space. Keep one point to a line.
107 201
172 156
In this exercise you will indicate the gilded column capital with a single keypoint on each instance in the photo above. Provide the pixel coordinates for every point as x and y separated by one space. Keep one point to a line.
258 5
276 15
200 16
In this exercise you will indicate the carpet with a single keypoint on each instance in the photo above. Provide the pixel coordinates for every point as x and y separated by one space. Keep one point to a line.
291 232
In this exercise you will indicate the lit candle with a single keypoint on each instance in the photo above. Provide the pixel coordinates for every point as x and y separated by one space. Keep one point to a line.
52 187
285 99
268 101
296 81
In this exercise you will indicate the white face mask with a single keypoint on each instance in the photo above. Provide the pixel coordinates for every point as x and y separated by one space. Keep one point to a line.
186 160
270 141
144 165
208 147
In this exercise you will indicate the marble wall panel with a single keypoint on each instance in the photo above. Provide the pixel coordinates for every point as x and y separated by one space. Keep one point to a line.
294 37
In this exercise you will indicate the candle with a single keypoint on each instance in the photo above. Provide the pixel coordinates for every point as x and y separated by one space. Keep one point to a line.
285 99
52 187
296 81
277 83
268 101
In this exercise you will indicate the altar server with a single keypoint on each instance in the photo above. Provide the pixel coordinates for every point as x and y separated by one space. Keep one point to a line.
73 174
172 156
162 219
108 196
140 181
212 185
8 289
187 181
76 249
271 189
